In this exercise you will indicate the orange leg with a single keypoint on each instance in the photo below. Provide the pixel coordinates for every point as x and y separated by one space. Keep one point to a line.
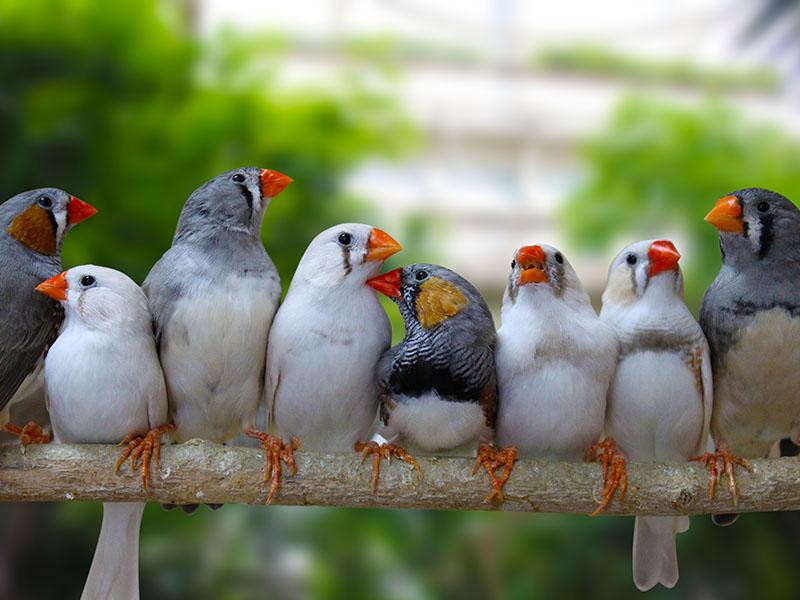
31 433
492 459
141 449
721 463
275 451
386 451
615 472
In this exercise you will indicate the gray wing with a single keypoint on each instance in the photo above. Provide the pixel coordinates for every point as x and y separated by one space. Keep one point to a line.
28 325
163 287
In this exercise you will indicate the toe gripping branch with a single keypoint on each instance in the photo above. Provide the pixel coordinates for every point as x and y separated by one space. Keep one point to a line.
721 463
491 459
615 473
31 433
275 452
386 451
143 449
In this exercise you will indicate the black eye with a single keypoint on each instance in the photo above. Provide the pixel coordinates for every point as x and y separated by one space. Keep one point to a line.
87 281
762 207
238 178
421 275
45 201
631 259
345 239
559 258
513 264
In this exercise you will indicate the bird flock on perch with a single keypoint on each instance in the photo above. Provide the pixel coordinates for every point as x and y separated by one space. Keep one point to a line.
196 350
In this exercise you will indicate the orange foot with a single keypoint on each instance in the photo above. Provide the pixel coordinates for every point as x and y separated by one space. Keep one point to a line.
492 459
712 462
32 433
275 451
386 451
142 448
615 473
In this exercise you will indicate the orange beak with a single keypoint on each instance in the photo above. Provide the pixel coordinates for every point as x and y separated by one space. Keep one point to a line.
663 257
388 284
381 245
55 287
78 210
531 259
727 215
273 183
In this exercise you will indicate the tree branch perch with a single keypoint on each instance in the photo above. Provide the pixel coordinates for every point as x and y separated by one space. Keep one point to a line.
203 472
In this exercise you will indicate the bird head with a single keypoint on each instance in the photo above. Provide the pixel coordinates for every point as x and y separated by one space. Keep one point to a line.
753 222
99 297
431 295
541 269
644 269
235 201
346 254
39 219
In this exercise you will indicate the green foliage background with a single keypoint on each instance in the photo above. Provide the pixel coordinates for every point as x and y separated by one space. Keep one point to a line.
120 104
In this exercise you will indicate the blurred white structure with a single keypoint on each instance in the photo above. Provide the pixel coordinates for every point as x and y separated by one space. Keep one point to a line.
500 139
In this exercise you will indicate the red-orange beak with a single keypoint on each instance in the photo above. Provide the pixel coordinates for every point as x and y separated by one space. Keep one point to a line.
273 183
727 215
663 257
388 283
381 245
55 287
531 259
78 210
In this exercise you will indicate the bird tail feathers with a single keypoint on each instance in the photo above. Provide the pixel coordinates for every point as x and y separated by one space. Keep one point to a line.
655 559
115 567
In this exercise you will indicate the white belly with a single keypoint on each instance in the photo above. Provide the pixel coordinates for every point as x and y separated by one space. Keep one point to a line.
655 410
214 358
429 424
757 389
556 411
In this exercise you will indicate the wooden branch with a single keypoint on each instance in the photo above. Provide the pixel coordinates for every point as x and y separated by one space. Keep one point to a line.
203 472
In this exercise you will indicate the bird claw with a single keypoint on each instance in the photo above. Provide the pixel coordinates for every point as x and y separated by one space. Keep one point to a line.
275 451
31 433
386 451
615 472
492 459
143 449
716 470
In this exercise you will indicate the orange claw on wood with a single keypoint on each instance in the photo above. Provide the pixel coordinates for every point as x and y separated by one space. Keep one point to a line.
31 433
386 451
275 451
716 470
492 459
615 472
142 449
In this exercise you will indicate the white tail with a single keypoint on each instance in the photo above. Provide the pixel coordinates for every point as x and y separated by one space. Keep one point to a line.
655 559
114 574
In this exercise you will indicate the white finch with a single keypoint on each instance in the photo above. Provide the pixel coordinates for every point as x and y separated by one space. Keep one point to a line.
325 343
661 395
104 383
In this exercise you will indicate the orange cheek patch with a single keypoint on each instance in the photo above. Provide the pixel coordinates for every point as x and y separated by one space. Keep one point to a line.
34 229
437 301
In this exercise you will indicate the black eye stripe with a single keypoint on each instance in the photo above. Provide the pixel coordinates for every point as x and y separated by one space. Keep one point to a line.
248 197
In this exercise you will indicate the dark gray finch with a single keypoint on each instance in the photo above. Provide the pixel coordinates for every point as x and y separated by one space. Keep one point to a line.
213 296
438 387
32 229
751 316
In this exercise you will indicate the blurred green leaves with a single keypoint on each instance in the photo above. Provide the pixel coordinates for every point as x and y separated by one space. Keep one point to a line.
121 105
658 168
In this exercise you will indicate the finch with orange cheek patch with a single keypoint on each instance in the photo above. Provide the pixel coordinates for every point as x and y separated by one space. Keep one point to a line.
555 361
32 230
438 386
659 405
